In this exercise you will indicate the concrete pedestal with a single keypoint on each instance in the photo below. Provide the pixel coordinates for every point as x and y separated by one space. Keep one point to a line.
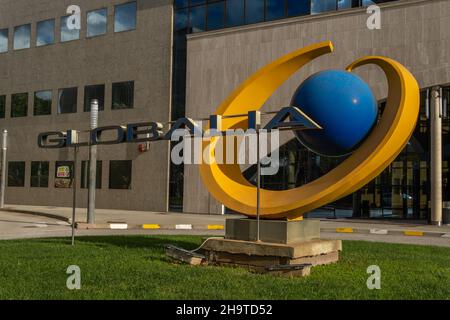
272 231
260 255
283 243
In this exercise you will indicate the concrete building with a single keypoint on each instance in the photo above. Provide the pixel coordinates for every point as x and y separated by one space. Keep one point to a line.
135 63
184 57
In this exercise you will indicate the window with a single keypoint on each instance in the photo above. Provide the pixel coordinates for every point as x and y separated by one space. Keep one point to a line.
68 34
344 4
42 103
97 22
4 40
235 13
2 106
45 32
319 6
298 8
181 3
120 174
254 11
19 105
123 95
196 2
367 3
63 174
16 174
39 174
216 15
197 18
67 100
125 17
85 175
94 92
181 19
176 179
22 36
275 9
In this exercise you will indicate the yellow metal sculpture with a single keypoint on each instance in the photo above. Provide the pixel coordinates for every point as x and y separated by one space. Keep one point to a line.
226 182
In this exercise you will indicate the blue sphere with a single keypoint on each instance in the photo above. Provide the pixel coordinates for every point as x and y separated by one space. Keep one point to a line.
342 104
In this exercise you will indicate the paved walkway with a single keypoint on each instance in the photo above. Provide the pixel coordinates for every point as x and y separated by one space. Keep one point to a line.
105 216
133 218
18 221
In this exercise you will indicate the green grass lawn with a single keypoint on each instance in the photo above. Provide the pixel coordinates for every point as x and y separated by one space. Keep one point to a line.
135 267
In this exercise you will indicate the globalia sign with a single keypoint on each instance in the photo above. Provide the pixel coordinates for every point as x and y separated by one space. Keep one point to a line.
332 113
344 107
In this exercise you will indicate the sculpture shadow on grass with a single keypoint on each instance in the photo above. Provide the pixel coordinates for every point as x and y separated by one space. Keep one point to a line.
157 242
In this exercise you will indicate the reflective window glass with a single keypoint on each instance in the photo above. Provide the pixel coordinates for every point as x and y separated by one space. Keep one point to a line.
254 11
319 6
298 8
122 95
120 174
94 92
39 174
42 102
345 4
68 33
97 22
197 2
367 3
181 3
3 40
67 100
16 174
22 36
235 13
2 106
181 19
19 105
125 17
216 15
275 9
197 18
45 32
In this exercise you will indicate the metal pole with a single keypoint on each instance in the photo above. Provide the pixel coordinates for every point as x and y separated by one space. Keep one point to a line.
436 156
3 181
74 187
258 187
92 165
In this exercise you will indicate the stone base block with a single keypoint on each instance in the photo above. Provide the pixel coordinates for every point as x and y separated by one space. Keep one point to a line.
272 231
260 255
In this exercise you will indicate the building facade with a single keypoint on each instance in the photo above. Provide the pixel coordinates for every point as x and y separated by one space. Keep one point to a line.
122 56
158 60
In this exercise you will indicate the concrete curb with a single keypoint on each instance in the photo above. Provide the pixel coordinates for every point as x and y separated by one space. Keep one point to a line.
149 226
406 233
209 227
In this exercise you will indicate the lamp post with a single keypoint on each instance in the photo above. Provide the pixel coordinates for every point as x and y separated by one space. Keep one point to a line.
436 155
3 180
258 185
92 165
74 192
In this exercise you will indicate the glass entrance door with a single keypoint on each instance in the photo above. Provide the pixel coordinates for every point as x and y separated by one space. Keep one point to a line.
400 192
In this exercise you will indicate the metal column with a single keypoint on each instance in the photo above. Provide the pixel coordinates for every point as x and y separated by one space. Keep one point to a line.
3 178
92 165
436 155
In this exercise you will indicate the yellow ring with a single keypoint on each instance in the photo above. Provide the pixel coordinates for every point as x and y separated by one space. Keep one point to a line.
226 182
